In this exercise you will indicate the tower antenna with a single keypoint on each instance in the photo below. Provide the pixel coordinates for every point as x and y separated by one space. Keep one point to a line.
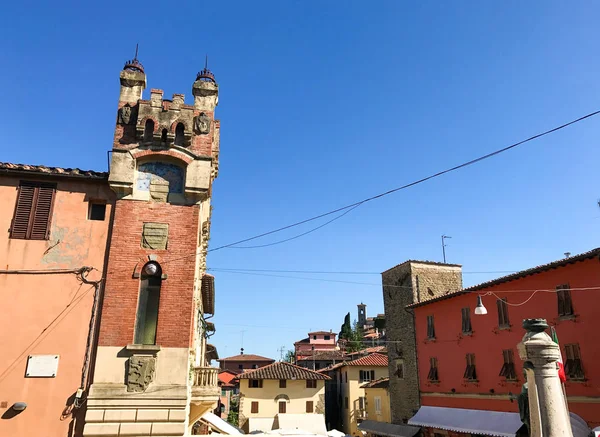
136 51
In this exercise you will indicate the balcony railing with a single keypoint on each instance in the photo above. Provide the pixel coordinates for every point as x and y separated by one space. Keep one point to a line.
206 377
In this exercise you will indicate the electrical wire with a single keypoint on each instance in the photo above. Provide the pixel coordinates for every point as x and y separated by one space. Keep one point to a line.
411 184
397 286
319 272
299 235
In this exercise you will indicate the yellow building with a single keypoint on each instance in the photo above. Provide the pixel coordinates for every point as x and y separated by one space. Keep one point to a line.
378 400
351 377
282 395
377 422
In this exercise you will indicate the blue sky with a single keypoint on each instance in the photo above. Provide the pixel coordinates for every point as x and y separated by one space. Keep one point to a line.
323 104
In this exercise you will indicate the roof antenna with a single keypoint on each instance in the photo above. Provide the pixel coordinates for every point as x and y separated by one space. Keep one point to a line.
136 51
206 62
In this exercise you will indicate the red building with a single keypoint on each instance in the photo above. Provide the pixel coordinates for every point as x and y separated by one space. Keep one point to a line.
317 341
469 361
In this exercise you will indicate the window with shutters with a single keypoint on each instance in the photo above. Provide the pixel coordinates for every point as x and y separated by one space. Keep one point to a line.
33 211
466 321
366 375
377 404
311 383
282 383
254 407
282 407
565 306
508 368
430 328
309 406
502 313
255 383
433 370
573 366
146 320
470 372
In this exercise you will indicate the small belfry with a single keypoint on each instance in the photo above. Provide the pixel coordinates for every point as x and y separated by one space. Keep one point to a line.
152 373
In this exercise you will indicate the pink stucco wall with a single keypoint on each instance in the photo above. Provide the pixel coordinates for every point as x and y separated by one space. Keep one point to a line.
48 313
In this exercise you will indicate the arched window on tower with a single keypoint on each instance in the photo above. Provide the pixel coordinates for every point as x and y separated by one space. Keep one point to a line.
147 312
163 137
148 130
179 132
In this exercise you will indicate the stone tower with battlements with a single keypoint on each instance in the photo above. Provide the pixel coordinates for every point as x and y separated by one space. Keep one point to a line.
405 284
151 372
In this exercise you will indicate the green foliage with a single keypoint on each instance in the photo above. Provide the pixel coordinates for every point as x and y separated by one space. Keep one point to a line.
352 334
234 408
289 356
380 323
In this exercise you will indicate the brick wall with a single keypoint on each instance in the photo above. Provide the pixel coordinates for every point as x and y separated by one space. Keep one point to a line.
403 285
127 256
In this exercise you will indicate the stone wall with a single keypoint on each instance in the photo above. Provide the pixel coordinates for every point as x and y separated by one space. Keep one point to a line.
405 284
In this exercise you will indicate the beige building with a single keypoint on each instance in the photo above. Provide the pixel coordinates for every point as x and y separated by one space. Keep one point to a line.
274 394
349 379
377 400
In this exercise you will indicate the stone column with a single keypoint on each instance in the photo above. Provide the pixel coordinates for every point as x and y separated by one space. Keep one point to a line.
549 415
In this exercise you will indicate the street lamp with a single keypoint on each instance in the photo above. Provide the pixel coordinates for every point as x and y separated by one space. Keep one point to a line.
480 310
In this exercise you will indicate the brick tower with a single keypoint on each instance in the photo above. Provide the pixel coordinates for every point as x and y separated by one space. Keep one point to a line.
151 373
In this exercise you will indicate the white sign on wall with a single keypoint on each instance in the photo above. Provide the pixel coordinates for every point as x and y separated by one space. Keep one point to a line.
41 366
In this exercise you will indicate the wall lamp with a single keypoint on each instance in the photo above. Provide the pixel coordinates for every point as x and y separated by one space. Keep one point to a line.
480 310
19 406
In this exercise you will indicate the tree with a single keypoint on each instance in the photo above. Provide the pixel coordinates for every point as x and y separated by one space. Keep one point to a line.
233 415
351 335
289 356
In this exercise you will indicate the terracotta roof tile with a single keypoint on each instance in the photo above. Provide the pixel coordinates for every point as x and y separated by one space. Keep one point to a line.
322 332
369 350
378 383
247 357
514 276
282 370
375 359
8 167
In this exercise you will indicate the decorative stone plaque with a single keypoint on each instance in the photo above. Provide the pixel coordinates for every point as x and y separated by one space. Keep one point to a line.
41 366
141 373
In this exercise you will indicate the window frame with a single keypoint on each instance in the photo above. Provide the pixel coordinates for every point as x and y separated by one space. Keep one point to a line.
30 210
148 306
503 319
467 327
310 407
470 374
564 301
508 369
377 402
255 383
574 370
92 204
430 327
433 375
254 407
282 383
282 405
311 383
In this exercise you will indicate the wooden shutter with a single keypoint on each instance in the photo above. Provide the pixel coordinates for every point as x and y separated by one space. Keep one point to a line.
309 406
254 408
33 211
282 406
282 383
502 313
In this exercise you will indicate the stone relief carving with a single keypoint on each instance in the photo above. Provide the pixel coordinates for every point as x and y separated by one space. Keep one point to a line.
125 114
202 124
141 373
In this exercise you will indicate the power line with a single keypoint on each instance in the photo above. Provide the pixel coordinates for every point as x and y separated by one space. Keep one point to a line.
319 272
549 290
419 181
411 184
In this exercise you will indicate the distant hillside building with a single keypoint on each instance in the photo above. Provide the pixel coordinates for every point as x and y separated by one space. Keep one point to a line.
315 342
242 362
321 359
